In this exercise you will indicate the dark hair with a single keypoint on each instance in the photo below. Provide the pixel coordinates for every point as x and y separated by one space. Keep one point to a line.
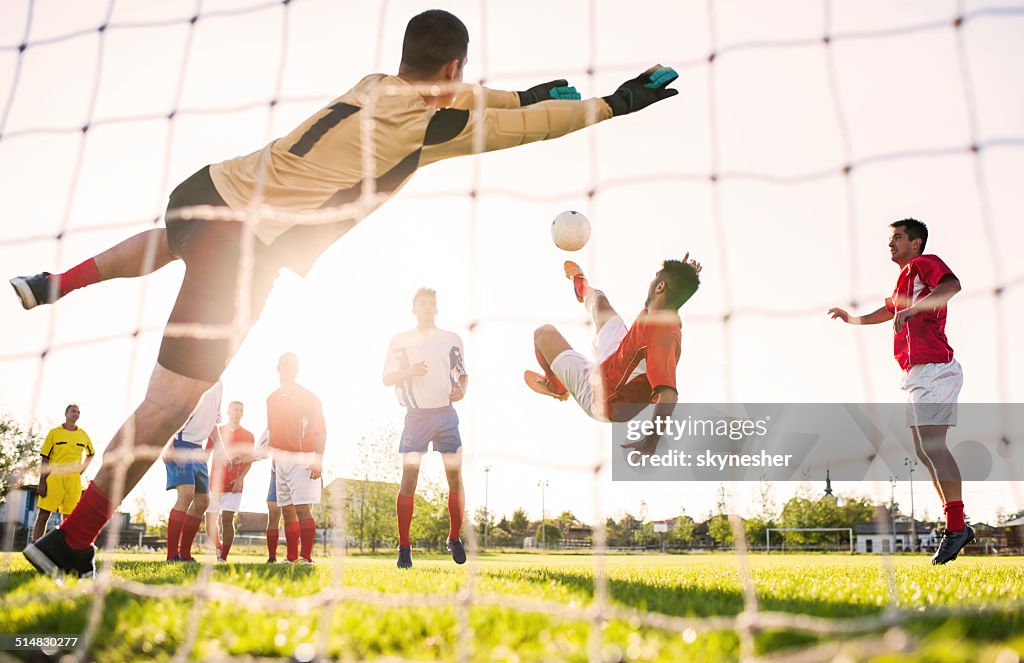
71 405
915 230
424 292
432 40
681 281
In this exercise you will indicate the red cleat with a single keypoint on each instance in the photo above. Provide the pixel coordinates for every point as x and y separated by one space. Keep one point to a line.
579 282
539 384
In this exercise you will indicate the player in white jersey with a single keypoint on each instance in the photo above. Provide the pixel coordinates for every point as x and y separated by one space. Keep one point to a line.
187 473
427 369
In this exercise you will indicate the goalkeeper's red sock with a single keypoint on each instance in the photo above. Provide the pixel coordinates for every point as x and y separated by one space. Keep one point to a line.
175 521
454 516
405 505
87 519
225 548
77 277
554 384
954 516
273 538
189 529
307 536
291 539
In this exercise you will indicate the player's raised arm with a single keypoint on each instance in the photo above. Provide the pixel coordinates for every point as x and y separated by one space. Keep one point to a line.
878 316
558 89
453 131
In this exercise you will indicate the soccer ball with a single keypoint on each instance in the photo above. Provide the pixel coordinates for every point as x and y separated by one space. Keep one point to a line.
570 230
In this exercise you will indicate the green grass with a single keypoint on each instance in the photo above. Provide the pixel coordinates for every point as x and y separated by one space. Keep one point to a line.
989 590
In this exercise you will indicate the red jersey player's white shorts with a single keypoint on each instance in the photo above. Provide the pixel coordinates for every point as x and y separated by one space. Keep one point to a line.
932 390
580 375
294 484
224 502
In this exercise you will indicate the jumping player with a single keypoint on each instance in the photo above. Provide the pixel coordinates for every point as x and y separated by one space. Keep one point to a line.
426 367
190 476
228 480
60 474
297 435
932 378
319 165
633 367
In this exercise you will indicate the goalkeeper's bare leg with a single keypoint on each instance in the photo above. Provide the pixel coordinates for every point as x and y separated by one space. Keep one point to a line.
136 256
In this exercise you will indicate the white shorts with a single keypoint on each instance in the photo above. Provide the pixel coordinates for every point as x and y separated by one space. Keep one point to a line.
932 390
580 375
224 502
294 485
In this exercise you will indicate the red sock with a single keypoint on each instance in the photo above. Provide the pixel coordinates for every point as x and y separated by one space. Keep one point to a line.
553 383
175 521
954 516
189 528
292 534
273 537
77 277
225 548
405 504
581 287
307 535
454 516
84 523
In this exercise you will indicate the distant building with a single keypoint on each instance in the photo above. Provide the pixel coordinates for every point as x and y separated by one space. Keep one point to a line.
878 536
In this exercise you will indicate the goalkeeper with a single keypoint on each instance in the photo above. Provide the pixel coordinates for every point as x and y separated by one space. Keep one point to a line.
417 117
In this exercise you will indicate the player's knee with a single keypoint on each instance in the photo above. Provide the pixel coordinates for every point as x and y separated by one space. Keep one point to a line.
543 332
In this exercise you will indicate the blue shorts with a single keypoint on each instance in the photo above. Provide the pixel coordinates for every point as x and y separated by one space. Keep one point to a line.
272 491
425 425
188 472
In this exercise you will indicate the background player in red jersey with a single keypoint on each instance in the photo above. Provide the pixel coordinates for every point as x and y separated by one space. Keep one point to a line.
297 435
318 165
931 377
227 479
633 367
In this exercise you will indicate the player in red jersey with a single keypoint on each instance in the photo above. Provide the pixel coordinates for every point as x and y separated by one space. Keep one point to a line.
297 434
227 479
931 377
633 367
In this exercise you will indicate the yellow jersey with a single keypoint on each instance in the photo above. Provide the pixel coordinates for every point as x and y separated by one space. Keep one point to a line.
65 447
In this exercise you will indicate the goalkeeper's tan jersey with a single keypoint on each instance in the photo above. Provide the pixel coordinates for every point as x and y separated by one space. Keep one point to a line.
321 163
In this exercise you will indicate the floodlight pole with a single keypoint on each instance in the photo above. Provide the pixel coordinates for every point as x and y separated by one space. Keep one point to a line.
892 512
543 483
487 512
913 523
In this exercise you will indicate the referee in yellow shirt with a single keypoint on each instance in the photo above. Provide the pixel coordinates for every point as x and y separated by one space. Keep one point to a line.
60 475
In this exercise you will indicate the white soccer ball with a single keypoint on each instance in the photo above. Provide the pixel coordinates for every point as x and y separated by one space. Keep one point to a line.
570 230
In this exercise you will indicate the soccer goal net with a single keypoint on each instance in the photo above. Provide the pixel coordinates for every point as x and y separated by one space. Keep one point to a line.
799 133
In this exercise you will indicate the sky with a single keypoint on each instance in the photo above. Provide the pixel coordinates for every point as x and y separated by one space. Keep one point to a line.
782 233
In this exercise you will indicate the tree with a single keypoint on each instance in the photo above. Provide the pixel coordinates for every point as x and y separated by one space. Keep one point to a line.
566 521
484 522
720 530
370 499
551 534
519 525
682 532
430 525
19 453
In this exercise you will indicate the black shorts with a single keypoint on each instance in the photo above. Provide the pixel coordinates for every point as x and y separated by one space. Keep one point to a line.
212 251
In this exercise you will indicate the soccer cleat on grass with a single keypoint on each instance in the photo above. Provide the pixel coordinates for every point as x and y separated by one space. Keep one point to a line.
579 282
539 384
271 560
302 561
405 557
951 544
52 556
35 290
174 560
457 550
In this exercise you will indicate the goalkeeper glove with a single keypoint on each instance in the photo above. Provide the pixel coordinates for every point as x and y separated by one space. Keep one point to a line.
642 91
559 89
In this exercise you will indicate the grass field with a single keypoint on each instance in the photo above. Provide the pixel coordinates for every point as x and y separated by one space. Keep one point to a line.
843 587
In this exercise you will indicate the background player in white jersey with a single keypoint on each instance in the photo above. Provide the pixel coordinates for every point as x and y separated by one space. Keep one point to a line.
427 369
319 165
189 476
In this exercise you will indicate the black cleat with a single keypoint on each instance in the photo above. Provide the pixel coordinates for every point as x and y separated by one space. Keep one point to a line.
951 544
35 290
404 557
457 550
52 556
